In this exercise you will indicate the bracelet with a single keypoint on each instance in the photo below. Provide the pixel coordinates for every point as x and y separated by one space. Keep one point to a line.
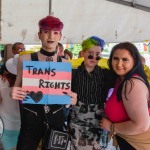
112 129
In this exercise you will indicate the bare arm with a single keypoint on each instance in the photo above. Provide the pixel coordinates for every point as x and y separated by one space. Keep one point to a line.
137 110
18 93
18 81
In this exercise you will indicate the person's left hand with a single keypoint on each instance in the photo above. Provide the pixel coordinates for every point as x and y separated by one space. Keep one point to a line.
105 124
73 98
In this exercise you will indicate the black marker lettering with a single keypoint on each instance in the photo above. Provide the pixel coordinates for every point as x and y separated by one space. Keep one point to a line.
40 71
53 71
29 68
68 86
34 71
41 83
47 71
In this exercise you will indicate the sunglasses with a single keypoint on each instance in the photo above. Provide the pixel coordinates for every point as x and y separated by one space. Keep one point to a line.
91 57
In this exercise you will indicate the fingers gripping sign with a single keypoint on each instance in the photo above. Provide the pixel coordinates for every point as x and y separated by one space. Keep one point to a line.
18 93
73 98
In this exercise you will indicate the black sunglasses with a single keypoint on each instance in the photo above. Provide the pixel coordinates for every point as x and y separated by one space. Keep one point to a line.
91 57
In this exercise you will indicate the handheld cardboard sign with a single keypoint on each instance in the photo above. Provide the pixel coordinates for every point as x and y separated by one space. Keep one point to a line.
46 82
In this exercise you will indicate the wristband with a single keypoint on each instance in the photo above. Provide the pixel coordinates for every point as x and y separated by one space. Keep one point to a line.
112 129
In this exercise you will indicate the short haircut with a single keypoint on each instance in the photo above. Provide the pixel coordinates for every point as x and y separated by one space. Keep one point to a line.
66 51
15 44
91 42
50 23
60 45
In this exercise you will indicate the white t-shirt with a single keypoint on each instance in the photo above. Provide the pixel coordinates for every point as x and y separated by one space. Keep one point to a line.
9 108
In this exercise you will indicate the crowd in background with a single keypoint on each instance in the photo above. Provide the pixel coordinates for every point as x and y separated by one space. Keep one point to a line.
101 98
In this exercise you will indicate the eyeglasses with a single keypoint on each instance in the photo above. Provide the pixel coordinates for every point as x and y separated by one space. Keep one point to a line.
91 57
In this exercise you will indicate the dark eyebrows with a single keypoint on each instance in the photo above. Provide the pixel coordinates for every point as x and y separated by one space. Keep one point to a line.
115 58
125 59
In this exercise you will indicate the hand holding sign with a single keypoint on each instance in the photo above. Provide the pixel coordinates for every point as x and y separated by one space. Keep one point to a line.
46 82
18 93
73 98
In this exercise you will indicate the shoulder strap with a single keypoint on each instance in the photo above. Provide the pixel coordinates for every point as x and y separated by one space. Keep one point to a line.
34 56
59 59
74 73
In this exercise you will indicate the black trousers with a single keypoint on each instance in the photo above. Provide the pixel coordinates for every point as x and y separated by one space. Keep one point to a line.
33 124
123 144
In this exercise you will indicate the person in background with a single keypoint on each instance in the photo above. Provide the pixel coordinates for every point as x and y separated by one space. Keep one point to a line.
91 83
9 109
2 63
68 55
80 54
146 68
127 107
33 124
2 56
17 48
60 50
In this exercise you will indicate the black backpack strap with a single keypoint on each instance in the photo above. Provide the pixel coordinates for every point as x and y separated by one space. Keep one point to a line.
59 59
74 73
34 56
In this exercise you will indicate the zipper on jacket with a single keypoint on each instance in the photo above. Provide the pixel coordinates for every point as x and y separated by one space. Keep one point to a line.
57 110
31 111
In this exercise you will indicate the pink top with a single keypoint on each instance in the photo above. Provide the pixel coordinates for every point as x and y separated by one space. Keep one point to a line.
114 109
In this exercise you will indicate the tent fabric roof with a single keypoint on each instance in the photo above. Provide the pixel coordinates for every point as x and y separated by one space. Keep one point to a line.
137 4
82 18
145 3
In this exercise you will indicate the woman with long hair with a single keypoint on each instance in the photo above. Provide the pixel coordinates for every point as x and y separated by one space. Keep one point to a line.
9 109
127 106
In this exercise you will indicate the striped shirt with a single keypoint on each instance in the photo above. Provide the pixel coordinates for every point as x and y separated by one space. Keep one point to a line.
90 88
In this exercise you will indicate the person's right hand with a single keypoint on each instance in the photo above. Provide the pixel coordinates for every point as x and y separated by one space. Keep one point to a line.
18 93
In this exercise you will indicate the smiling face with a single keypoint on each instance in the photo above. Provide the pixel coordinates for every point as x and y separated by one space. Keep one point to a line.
122 62
49 39
95 51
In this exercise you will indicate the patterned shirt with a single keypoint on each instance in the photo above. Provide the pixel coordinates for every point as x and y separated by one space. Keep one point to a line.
91 88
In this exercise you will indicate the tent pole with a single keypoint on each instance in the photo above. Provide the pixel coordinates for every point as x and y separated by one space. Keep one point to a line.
50 8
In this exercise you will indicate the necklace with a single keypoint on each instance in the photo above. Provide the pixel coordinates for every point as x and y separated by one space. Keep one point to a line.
48 54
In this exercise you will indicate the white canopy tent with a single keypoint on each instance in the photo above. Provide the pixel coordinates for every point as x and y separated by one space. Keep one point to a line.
113 20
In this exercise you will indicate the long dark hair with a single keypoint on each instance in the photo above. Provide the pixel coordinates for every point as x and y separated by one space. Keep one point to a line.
11 78
137 68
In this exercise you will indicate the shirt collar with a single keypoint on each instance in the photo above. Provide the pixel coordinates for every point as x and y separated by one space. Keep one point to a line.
81 68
